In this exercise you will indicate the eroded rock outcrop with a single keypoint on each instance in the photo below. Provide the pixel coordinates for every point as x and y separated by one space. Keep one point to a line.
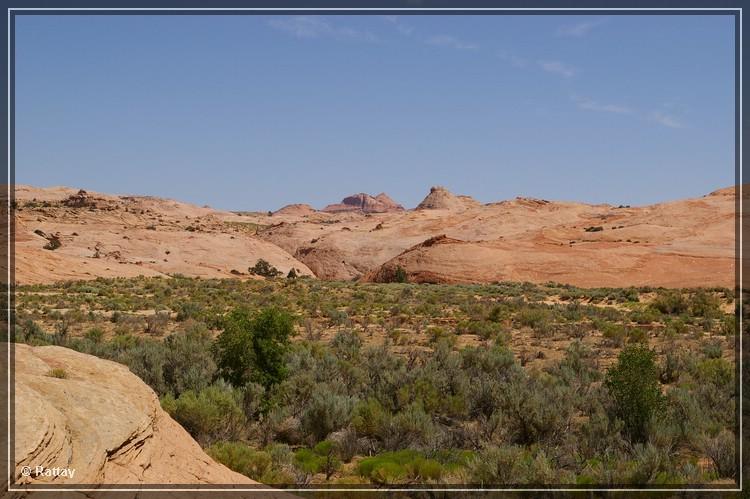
78 200
365 203
80 412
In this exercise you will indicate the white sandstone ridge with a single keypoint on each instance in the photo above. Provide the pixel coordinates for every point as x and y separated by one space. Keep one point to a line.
102 423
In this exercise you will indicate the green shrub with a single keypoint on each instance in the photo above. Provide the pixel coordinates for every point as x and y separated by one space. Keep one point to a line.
188 310
675 327
400 466
188 363
326 412
322 458
424 469
32 333
95 335
645 316
146 359
123 342
630 295
58 372
536 409
370 419
497 466
651 464
704 304
673 366
712 350
670 302
410 427
637 335
718 372
211 415
633 384
156 323
384 374
498 314
578 369
600 434
438 334
729 325
721 450
346 344
243 459
536 318
483 329
615 334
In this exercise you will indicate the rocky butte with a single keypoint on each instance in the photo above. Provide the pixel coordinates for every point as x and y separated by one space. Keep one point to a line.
365 203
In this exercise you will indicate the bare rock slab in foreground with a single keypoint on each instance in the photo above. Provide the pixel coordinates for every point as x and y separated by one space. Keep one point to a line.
102 421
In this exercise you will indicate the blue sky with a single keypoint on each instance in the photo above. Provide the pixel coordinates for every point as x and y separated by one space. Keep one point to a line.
254 112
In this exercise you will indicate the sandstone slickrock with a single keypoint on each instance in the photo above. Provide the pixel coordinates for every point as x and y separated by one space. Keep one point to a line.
99 235
297 209
441 198
102 421
689 242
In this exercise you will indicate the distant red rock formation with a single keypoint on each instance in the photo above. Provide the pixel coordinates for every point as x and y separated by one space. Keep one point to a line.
365 203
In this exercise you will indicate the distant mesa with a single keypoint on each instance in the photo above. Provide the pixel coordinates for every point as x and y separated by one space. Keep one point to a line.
441 198
365 203
296 209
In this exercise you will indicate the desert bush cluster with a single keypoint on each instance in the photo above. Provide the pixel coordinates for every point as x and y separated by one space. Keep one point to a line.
299 382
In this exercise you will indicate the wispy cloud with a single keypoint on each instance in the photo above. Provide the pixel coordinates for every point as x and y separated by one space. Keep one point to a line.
580 29
401 27
591 105
558 68
666 120
513 59
450 41
318 27
657 116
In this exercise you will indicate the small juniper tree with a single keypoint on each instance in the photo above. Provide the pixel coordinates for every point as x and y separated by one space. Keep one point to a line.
401 274
264 269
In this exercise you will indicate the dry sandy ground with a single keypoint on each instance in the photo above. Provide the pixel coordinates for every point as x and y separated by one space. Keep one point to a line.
682 243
